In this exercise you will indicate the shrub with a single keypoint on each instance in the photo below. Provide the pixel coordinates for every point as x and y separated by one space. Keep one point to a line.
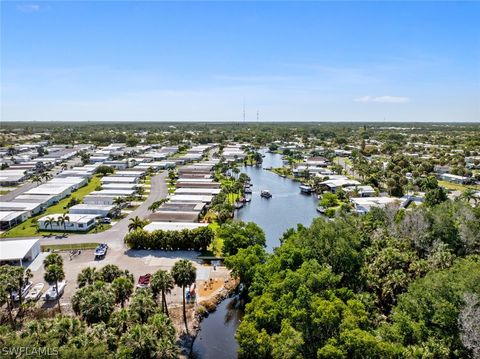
198 239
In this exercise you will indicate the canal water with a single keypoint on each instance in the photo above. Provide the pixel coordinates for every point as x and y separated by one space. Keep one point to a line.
285 209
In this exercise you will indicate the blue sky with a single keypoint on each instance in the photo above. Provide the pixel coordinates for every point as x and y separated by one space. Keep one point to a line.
199 61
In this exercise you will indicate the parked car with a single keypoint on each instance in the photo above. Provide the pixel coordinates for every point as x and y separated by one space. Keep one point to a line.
26 287
144 281
106 220
101 250
51 293
35 292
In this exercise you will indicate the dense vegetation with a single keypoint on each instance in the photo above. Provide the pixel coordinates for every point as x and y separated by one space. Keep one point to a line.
104 326
389 284
198 239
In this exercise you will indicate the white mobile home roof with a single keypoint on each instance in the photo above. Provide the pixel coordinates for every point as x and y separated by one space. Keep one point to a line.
17 249
198 180
172 226
205 191
113 179
9 215
129 173
34 198
49 189
191 198
113 192
130 186
74 218
19 206
102 207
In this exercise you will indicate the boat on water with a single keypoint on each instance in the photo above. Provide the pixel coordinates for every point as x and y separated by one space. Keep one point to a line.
321 209
247 190
283 176
305 189
265 193
248 199
238 204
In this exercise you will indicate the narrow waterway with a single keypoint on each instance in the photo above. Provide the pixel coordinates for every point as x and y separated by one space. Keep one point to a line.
287 208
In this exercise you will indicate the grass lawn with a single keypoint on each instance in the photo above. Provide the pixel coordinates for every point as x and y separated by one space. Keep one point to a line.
3 191
457 187
68 247
29 227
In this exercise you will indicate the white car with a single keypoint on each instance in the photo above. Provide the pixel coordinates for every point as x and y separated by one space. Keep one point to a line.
51 293
25 290
35 292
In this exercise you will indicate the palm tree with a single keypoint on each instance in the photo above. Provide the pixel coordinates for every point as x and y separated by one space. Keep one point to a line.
120 320
53 258
64 166
62 221
162 282
49 222
136 223
87 276
53 274
118 202
123 289
37 179
468 195
140 191
184 274
155 205
46 176
142 305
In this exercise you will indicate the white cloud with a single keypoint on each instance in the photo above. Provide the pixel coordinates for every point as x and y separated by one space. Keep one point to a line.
383 99
29 8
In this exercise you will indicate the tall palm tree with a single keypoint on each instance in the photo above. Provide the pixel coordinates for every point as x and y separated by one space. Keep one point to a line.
184 274
136 223
53 274
37 179
62 221
53 258
46 176
120 320
162 282
142 305
87 276
123 289
49 222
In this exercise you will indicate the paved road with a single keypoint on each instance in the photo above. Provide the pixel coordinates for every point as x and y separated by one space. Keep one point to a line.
17 191
114 236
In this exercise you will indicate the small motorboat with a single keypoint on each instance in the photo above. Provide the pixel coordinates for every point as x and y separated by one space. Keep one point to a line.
238 204
35 292
305 189
51 293
265 194
248 199
283 176
321 209
247 190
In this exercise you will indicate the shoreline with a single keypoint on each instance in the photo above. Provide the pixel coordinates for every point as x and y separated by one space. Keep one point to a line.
201 311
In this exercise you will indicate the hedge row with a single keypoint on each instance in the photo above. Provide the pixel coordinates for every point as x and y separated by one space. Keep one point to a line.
197 239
